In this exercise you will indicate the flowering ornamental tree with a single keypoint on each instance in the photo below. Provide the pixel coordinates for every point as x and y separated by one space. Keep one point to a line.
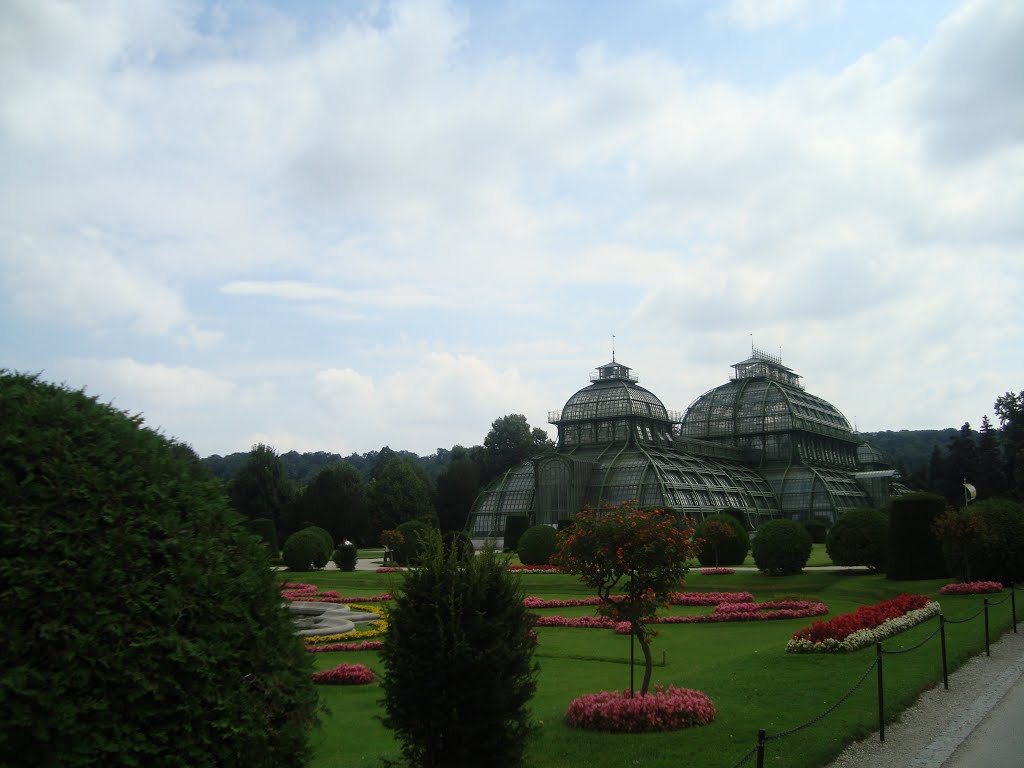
962 531
639 554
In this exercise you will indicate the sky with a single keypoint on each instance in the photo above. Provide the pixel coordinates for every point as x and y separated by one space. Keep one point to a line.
342 225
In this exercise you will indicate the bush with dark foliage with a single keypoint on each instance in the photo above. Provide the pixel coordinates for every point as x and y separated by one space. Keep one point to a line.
860 537
781 547
914 550
731 550
459 662
414 533
536 545
141 621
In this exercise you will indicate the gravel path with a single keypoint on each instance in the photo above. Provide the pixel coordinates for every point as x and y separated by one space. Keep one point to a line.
928 734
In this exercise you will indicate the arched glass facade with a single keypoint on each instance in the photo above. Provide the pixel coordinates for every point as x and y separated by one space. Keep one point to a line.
759 446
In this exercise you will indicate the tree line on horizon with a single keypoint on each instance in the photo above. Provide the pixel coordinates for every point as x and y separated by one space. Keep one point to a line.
358 496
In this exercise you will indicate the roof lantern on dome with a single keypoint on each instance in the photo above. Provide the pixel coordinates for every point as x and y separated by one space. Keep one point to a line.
762 365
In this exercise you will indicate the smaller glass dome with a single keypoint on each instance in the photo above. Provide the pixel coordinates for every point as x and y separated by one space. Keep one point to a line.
613 393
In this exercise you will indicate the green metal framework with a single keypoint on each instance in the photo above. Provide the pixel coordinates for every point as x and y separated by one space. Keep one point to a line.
758 445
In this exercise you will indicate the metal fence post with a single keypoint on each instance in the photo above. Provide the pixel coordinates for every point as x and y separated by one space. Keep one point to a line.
987 650
632 637
1013 606
761 739
942 637
881 695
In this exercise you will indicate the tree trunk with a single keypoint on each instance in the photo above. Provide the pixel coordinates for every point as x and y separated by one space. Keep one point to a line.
645 646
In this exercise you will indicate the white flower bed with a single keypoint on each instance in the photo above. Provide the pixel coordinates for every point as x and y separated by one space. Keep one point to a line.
862 638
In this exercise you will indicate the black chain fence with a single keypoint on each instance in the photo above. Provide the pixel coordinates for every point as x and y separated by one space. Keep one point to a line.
763 738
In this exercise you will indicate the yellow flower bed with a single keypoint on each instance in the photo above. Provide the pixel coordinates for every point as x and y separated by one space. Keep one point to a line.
376 628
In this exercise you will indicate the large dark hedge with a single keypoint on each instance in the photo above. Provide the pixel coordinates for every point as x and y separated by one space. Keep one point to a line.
914 551
1000 557
536 545
459 662
781 547
860 537
515 525
732 552
141 621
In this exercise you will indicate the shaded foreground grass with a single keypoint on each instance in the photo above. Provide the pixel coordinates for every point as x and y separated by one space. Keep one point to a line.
743 667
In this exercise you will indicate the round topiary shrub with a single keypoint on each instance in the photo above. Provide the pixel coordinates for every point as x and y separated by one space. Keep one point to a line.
724 541
328 544
536 545
457 544
414 533
345 557
305 551
914 550
142 622
781 547
860 537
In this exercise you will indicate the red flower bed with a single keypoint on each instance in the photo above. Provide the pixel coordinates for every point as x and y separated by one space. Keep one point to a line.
661 710
344 674
971 588
366 645
865 617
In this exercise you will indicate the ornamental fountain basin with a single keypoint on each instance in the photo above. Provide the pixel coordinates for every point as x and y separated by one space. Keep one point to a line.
315 619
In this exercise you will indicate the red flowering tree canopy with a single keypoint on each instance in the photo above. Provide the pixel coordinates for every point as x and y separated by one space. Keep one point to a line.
640 554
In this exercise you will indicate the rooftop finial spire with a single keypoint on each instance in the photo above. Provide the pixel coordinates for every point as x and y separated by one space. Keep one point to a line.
613 347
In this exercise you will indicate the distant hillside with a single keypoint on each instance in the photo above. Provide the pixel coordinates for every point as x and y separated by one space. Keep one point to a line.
910 448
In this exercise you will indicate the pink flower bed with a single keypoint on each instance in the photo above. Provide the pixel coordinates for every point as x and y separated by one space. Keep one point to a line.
772 610
716 571
366 645
661 710
677 598
971 588
344 674
388 569
310 593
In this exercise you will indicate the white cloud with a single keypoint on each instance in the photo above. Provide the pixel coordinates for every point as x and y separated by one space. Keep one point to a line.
753 14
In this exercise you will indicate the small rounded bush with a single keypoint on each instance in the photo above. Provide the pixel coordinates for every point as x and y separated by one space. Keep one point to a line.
415 533
457 544
860 537
536 545
781 547
305 551
345 557
326 538
142 622
731 550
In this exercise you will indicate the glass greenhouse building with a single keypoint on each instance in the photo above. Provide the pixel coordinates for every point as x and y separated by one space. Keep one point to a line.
758 446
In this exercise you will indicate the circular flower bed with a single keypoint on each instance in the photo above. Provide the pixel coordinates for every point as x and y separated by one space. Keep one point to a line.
660 710
344 674
971 588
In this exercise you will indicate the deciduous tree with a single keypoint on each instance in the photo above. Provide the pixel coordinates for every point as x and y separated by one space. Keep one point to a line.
634 558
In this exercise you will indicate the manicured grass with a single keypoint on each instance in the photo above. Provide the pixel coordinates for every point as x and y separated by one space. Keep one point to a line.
742 667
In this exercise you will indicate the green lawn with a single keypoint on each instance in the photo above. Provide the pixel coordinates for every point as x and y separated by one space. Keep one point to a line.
742 667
